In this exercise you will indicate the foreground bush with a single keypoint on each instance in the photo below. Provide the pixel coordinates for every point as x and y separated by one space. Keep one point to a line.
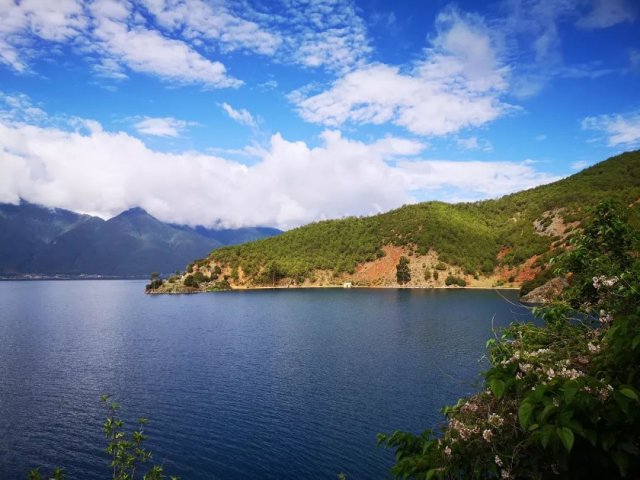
126 451
560 401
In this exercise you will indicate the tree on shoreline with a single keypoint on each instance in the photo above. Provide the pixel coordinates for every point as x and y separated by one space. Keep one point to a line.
403 274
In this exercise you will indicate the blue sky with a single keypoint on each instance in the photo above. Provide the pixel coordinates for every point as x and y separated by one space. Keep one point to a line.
285 112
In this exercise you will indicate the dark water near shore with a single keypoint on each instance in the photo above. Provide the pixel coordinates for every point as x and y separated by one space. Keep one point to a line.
286 384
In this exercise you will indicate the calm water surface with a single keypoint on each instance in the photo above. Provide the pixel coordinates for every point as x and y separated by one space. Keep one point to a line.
238 385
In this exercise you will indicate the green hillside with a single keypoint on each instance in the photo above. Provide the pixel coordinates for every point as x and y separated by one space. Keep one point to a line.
476 237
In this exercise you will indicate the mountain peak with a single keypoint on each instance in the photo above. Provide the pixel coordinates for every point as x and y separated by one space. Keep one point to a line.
134 212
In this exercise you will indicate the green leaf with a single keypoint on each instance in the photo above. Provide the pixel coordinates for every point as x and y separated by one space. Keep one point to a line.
570 391
630 393
635 343
566 436
524 413
497 387
545 435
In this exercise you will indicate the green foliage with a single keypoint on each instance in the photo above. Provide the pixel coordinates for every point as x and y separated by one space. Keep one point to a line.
562 400
56 474
441 266
427 274
271 274
189 281
436 275
466 235
126 450
453 280
199 278
219 286
153 284
403 274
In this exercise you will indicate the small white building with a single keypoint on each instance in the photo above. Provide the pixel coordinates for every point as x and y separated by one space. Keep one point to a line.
346 285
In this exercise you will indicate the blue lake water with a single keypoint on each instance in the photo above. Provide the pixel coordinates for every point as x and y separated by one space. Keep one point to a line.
273 384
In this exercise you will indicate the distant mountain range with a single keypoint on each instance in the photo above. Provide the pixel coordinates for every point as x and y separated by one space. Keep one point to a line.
40 240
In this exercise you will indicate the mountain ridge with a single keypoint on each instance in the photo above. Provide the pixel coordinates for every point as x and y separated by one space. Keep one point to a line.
36 240
506 241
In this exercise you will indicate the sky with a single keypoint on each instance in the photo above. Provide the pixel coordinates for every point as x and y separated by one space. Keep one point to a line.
284 112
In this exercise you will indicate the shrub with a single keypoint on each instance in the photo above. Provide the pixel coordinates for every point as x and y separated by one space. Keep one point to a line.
189 281
453 280
560 400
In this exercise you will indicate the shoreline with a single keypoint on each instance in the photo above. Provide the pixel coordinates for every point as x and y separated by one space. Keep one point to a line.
340 287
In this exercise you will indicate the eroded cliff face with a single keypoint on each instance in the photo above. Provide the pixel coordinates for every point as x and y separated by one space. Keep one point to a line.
547 292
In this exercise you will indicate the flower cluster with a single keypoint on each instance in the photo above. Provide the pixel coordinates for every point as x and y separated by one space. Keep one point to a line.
604 281
605 317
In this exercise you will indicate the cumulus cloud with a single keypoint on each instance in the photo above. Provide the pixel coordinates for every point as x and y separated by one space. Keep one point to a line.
241 116
161 126
83 167
458 84
619 130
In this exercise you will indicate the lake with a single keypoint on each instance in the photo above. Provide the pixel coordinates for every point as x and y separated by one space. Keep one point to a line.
270 384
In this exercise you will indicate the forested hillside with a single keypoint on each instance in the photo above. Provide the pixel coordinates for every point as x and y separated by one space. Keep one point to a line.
506 240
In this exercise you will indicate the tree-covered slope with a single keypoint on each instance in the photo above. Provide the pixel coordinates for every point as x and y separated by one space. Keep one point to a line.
478 237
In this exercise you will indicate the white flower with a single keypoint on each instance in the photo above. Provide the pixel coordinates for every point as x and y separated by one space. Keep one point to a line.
447 451
593 348
498 461
605 318
487 435
496 420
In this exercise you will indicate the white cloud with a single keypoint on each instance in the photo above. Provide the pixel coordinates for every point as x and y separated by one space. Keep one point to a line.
20 22
198 20
473 180
607 13
620 130
19 107
176 39
534 29
121 40
117 37
474 143
579 165
457 85
161 126
88 169
241 116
